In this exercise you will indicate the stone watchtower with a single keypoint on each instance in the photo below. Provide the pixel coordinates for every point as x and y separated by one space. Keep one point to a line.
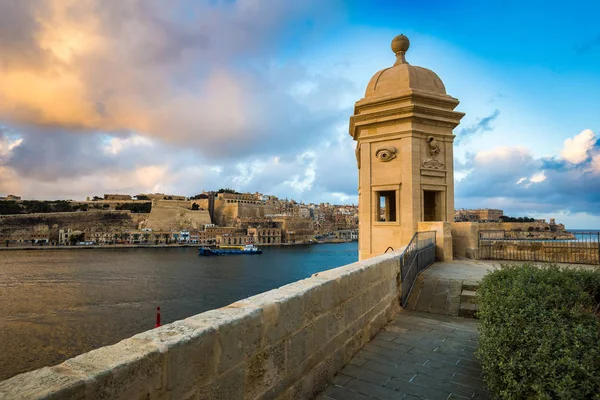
403 129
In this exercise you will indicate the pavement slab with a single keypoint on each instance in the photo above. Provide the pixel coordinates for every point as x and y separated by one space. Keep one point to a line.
418 355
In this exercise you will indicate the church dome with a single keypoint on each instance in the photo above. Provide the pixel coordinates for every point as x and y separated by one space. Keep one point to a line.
402 76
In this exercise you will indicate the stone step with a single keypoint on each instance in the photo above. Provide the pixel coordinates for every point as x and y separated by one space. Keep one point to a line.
468 296
470 285
467 310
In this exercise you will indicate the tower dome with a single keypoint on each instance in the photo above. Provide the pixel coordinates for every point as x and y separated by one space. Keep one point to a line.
403 77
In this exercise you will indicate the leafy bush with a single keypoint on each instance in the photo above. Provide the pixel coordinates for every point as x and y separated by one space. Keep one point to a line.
135 207
540 332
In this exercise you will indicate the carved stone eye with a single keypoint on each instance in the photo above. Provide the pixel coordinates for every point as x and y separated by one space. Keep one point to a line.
386 154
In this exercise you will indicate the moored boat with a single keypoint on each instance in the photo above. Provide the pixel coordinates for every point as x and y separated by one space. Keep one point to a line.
229 250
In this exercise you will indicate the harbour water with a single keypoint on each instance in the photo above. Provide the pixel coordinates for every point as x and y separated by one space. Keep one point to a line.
58 304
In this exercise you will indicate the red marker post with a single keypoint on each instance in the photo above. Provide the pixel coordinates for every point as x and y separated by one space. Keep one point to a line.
157 317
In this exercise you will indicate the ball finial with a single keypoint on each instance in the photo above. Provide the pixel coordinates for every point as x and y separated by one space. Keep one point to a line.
400 44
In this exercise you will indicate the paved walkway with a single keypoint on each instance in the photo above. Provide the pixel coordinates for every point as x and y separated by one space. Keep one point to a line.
417 356
422 354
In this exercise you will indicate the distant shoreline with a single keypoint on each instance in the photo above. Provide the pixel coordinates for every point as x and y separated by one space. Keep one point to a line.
148 246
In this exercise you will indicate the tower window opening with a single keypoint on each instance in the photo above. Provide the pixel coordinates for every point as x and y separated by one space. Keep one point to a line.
386 206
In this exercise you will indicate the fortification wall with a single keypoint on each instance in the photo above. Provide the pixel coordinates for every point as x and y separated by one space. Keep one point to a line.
286 343
87 221
169 215
227 213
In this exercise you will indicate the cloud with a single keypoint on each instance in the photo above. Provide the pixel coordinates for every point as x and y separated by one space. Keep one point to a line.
194 95
116 145
513 179
481 125
538 177
576 150
191 74
8 143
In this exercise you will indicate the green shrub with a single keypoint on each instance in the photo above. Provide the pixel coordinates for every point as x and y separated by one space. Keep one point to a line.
540 332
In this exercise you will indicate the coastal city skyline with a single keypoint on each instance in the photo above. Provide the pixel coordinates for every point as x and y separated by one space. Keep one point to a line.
196 101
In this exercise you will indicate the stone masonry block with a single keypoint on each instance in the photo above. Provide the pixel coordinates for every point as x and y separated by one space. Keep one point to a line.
328 294
350 285
300 345
57 382
240 332
313 382
265 369
288 308
289 317
192 353
378 292
311 342
313 306
230 385
132 368
353 309
349 278
352 345
335 321
380 321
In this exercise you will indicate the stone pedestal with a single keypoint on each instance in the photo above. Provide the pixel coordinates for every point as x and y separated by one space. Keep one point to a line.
443 238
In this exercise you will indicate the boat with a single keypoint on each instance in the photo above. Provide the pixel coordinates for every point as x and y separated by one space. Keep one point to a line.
229 250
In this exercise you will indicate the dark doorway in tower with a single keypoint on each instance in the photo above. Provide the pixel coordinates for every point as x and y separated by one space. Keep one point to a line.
432 205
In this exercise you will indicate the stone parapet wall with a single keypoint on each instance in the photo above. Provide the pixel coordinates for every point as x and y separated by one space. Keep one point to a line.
465 235
286 343
541 251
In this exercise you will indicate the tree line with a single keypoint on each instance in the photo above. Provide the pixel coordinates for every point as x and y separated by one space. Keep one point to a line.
8 207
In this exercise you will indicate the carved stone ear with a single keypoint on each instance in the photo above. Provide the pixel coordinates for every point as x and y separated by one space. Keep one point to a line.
386 153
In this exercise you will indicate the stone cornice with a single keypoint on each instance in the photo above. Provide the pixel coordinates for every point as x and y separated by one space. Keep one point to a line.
374 138
414 112
447 102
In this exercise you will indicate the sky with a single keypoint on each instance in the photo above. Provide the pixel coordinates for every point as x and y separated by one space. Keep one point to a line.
138 96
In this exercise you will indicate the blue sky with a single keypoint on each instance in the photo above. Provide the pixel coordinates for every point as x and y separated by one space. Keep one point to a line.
138 96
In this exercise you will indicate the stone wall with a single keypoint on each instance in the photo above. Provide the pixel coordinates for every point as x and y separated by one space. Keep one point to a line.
465 235
227 213
286 343
167 215
541 251
86 221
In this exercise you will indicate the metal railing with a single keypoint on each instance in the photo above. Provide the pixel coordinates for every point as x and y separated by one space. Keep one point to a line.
418 255
540 246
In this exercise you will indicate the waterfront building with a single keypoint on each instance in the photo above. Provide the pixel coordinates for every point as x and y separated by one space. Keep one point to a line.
265 235
184 236
296 229
347 234
484 214
63 235
233 239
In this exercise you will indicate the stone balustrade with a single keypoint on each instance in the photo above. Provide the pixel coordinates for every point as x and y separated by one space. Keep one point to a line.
286 343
